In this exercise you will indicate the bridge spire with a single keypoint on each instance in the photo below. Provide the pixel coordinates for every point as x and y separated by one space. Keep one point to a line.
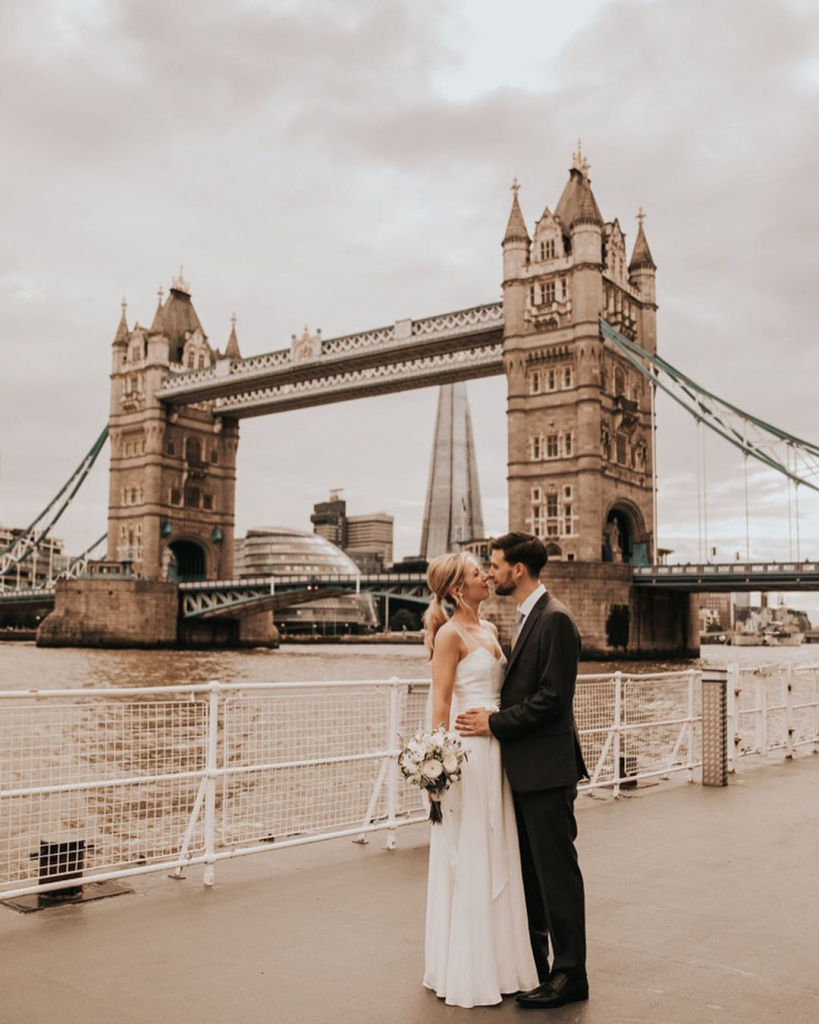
641 256
179 284
157 324
122 329
516 228
232 350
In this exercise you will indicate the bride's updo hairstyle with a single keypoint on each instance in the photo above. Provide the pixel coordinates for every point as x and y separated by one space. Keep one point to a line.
444 575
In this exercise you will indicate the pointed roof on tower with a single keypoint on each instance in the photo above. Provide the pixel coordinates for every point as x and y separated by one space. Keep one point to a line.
641 256
232 350
157 324
122 329
516 228
176 318
577 204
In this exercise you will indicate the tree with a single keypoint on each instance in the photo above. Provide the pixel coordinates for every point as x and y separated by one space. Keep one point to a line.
404 620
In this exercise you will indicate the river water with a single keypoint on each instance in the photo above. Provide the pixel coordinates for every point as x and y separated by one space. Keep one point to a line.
24 666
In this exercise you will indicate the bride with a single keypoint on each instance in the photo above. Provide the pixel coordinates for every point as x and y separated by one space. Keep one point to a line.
477 945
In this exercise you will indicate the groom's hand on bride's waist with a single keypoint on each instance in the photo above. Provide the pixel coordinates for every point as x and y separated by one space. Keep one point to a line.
474 722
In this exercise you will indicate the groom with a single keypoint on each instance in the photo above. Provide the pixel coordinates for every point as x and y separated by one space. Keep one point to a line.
543 761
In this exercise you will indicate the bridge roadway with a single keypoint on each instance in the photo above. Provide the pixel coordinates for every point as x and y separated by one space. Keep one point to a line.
701 908
211 599
215 598
706 578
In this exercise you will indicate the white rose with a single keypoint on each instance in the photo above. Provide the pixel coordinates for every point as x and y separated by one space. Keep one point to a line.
432 768
450 763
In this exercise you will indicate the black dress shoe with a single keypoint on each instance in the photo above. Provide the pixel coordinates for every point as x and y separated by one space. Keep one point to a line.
558 989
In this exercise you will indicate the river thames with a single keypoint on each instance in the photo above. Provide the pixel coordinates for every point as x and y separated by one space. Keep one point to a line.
24 666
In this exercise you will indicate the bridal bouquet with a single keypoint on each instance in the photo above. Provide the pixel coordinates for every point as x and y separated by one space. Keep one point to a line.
432 761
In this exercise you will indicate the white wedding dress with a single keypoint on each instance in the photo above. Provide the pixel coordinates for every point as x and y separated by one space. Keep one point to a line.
477 940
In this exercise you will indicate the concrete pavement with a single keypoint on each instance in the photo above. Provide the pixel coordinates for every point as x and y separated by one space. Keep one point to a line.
702 906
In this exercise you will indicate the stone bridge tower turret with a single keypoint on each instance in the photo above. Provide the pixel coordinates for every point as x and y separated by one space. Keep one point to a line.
580 416
173 469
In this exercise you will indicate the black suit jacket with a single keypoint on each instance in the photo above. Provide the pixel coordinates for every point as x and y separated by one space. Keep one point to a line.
536 727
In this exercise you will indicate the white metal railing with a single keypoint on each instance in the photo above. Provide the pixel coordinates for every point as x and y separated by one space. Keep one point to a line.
772 708
635 727
158 778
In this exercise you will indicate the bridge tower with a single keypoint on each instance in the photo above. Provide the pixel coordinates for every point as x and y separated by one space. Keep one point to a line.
173 470
580 418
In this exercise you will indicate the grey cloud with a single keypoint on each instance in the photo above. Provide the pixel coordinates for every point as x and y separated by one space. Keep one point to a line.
301 164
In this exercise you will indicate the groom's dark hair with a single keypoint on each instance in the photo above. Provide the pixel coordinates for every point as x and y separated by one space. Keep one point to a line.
522 547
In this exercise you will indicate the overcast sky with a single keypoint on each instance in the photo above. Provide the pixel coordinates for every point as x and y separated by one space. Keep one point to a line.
345 165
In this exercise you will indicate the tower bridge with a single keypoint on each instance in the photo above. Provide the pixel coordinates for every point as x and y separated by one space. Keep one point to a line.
575 336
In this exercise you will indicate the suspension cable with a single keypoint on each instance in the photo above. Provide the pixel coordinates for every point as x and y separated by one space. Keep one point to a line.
34 534
747 517
704 438
699 490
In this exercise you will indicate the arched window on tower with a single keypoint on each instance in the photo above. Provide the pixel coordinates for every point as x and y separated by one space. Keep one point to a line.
193 449
619 382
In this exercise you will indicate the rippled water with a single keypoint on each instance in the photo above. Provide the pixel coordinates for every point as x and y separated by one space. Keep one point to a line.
24 666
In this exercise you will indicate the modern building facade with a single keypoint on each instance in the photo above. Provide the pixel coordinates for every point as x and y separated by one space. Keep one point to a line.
452 512
370 541
580 417
279 551
367 539
329 519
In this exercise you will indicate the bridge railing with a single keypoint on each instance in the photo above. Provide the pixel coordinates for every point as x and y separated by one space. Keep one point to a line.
121 782
772 708
725 569
302 578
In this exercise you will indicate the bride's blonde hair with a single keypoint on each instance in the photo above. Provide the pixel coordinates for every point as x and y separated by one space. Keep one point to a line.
445 575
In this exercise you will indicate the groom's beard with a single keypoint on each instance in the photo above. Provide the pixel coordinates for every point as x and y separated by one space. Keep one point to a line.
504 589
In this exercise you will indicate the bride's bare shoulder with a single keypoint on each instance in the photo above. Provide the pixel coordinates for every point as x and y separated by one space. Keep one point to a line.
448 642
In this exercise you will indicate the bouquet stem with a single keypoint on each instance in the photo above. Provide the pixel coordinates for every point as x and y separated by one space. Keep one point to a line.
435 815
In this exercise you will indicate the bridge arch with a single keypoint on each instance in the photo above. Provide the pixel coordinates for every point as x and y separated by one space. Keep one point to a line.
624 534
188 559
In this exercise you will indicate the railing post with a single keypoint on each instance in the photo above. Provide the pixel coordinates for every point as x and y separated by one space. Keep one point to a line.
762 704
715 727
692 677
618 718
788 712
734 738
392 767
211 774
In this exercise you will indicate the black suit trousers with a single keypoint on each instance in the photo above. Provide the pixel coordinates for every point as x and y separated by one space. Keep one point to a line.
555 901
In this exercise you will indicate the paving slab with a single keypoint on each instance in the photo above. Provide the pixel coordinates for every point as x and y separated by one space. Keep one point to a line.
702 907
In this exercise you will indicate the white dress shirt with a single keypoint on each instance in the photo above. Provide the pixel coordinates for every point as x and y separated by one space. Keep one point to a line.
530 603
525 608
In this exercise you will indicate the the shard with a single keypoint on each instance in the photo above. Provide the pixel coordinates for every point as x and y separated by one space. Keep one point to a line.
452 516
